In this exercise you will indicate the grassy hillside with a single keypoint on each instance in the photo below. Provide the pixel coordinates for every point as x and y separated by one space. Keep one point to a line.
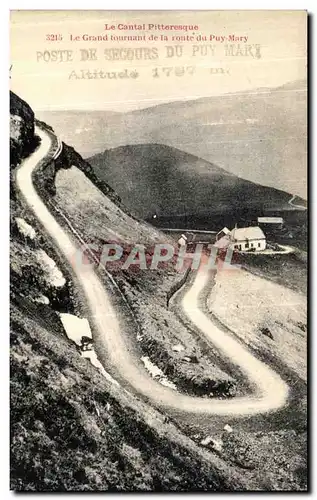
260 136
182 189
72 431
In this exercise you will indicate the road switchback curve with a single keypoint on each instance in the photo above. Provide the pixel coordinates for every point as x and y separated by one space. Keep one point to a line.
271 391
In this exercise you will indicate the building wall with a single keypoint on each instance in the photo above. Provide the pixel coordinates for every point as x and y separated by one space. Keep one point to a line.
182 242
258 245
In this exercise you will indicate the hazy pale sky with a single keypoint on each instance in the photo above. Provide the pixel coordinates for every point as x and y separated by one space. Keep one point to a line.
53 85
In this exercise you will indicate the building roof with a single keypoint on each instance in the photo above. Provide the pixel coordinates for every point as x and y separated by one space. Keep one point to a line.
224 230
247 233
223 242
271 220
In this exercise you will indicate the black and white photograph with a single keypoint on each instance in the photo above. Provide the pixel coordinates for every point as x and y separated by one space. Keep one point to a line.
158 251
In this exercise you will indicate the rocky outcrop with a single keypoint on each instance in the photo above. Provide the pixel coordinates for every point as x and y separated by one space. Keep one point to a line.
68 158
22 138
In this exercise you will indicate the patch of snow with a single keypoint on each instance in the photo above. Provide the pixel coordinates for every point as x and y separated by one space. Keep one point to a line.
206 441
75 327
157 373
216 445
25 228
167 383
153 369
55 275
41 299
92 356
178 348
228 428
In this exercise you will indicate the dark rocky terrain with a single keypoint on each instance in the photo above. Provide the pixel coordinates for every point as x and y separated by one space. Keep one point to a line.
22 138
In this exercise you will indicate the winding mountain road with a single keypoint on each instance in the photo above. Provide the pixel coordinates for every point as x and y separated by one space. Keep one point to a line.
298 207
271 391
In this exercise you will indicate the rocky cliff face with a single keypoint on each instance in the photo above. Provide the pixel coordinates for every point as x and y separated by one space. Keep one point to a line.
22 139
68 158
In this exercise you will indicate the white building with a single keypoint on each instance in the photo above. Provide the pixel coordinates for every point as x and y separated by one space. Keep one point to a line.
242 239
222 233
182 240
271 222
248 238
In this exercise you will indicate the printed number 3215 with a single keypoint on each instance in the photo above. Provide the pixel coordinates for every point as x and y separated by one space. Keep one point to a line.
54 38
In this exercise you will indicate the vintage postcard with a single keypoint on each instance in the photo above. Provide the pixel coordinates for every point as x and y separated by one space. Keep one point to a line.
158 188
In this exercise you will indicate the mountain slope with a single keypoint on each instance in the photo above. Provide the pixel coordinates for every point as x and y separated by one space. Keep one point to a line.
73 431
258 135
153 179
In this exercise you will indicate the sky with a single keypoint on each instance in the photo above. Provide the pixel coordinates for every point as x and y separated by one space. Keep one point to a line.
281 36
